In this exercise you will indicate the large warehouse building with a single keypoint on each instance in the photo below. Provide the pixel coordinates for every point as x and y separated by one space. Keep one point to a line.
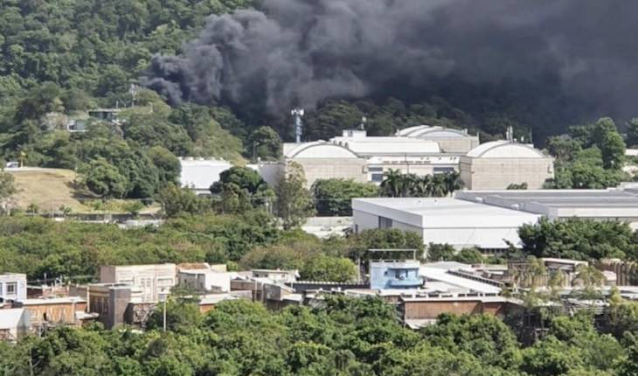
490 220
617 204
459 223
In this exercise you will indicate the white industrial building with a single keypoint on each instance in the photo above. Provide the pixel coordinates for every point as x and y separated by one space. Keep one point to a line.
199 174
450 140
420 150
618 204
497 164
450 221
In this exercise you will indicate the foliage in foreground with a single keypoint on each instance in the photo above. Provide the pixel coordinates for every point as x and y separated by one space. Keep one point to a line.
342 337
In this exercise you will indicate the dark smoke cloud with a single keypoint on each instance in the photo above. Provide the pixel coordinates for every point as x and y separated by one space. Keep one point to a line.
302 51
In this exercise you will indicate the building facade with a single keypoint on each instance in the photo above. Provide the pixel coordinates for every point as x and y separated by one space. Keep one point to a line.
497 164
13 286
154 281
459 223
386 275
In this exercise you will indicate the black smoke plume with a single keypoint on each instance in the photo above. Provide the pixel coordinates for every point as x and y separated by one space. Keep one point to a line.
299 52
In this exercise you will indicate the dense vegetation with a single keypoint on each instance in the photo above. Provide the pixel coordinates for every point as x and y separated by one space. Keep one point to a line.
340 337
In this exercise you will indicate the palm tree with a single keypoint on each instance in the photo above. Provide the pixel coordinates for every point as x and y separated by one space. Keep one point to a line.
409 185
438 186
392 185
422 186
453 182
589 277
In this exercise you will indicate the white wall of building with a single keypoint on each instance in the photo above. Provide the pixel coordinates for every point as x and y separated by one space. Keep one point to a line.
13 286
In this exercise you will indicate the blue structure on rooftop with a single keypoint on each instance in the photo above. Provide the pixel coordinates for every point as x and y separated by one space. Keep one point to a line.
385 275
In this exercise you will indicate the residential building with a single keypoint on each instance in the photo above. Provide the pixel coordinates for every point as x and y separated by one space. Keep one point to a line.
154 281
459 223
204 280
13 286
44 313
395 275
497 164
199 174
14 323
276 275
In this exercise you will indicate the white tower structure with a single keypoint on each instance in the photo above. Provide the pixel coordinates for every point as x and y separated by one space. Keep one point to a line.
298 114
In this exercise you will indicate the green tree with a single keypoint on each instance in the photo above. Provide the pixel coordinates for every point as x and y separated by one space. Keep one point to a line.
176 200
294 201
632 133
7 190
104 179
167 164
327 268
333 197
265 144
579 239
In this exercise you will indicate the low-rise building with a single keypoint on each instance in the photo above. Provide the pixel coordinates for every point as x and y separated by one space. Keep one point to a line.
276 275
204 280
45 313
395 275
154 281
199 174
459 223
13 286
14 323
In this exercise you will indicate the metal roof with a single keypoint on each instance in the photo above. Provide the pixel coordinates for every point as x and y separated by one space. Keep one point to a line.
504 149
585 202
443 212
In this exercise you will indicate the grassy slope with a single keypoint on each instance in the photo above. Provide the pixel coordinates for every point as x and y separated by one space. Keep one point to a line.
51 188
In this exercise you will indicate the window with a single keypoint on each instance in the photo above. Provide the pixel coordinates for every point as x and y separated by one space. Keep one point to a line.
12 288
375 169
385 222
377 178
1 291
443 170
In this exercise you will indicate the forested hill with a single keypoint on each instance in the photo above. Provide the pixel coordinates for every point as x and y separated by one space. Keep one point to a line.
61 58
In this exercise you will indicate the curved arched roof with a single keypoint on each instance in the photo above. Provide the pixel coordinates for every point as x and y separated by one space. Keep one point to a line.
320 149
428 132
504 149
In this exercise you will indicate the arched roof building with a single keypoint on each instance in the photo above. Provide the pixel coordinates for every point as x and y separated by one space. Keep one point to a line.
497 164
450 140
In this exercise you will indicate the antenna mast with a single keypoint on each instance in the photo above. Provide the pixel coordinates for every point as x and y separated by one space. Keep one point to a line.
298 114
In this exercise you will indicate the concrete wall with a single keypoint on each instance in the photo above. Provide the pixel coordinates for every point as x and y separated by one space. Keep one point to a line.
431 309
457 145
333 168
19 281
499 173
364 221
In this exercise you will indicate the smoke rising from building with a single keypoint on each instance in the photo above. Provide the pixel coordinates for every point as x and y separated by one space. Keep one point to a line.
299 52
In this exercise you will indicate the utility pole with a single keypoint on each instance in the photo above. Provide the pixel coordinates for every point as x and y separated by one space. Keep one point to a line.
164 314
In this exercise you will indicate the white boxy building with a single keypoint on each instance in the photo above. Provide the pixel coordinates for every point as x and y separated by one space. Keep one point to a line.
13 286
444 220
199 174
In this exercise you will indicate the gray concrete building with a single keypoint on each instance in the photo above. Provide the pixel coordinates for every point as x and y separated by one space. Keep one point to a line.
497 164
